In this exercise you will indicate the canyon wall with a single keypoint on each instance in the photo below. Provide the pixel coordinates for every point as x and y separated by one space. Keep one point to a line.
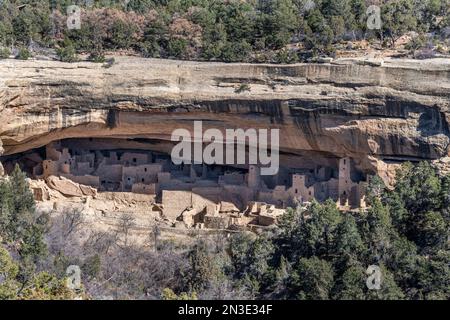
373 112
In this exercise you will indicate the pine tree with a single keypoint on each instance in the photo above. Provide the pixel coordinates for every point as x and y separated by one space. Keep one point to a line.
312 279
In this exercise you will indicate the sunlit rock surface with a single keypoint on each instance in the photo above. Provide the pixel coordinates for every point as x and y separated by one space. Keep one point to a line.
373 113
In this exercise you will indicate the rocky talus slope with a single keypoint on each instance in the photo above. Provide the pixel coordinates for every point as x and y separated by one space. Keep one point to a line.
392 111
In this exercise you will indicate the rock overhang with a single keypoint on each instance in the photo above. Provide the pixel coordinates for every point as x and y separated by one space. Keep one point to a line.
397 110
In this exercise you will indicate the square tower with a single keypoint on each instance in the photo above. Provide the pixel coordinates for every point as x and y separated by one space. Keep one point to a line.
254 177
344 181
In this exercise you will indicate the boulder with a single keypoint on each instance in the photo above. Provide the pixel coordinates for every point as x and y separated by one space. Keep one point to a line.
70 188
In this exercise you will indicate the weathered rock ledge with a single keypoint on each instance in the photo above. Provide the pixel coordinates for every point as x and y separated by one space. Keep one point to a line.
398 110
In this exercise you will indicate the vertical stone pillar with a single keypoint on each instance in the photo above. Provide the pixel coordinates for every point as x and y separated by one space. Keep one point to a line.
192 172
204 171
345 182
254 176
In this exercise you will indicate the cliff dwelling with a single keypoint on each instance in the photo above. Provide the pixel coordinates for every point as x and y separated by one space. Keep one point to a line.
199 195
114 148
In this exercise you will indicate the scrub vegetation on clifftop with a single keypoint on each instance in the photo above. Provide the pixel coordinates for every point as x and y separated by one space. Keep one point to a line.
279 31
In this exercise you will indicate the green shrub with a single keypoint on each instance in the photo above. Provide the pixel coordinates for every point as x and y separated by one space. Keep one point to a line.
24 54
177 48
236 51
92 266
67 53
416 43
97 56
4 53
286 56
242 87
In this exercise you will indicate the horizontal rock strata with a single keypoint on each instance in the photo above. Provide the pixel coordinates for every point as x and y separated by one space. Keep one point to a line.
395 111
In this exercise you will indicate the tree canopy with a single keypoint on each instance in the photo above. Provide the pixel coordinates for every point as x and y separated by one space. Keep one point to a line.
280 31
396 249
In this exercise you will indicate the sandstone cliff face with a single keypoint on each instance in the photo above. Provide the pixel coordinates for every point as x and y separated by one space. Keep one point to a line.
397 111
